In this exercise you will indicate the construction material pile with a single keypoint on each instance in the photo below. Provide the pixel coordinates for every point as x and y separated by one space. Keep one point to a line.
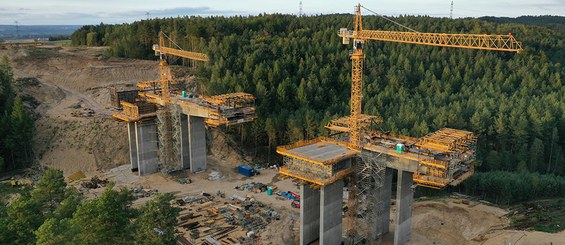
94 183
214 175
141 192
216 219
255 187
84 112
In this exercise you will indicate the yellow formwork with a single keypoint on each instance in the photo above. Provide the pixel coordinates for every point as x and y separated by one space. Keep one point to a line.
338 176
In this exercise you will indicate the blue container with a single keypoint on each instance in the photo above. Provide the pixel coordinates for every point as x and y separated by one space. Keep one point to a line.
184 94
269 191
246 170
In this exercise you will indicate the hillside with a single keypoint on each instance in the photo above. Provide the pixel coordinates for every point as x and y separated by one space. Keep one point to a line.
58 85
299 71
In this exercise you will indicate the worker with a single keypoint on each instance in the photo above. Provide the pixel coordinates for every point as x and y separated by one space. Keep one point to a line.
13 182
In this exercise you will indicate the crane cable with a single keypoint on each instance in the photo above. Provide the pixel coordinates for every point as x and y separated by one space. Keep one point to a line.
174 58
171 40
384 17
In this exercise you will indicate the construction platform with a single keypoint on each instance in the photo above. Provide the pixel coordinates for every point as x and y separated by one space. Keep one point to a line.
321 161
168 133
441 158
436 160
221 110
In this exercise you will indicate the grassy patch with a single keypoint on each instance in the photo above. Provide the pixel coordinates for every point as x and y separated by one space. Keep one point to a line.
42 53
543 215
62 43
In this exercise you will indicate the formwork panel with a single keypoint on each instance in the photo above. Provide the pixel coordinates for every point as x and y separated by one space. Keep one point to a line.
322 151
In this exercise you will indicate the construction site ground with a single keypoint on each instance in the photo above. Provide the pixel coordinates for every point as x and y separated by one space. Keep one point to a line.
67 88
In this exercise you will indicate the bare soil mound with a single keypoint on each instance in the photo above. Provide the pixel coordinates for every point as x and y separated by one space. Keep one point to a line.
436 222
68 89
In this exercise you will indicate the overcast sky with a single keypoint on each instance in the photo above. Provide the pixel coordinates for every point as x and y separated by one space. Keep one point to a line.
79 12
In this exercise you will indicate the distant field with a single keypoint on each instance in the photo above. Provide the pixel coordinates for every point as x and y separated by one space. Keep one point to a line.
10 32
62 42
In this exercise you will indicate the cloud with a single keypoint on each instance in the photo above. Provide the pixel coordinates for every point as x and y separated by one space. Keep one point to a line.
182 11
72 12
192 11
42 16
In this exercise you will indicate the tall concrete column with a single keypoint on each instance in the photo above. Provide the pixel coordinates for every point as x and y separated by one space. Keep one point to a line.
185 149
384 193
197 143
404 200
309 214
331 199
132 146
146 139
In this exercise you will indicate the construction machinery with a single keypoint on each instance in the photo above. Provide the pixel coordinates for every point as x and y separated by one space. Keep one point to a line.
436 160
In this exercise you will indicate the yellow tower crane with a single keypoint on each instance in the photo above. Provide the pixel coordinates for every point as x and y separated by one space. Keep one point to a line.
165 72
360 36
356 120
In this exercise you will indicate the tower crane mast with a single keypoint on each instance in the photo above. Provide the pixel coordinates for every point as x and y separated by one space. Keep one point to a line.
360 36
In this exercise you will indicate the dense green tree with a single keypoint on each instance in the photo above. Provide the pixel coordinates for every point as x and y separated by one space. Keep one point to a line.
156 224
53 213
54 231
16 126
24 217
5 236
505 187
57 229
69 205
105 220
50 190
22 133
92 39
6 79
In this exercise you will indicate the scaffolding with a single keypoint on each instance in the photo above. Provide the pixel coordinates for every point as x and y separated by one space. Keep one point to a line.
176 123
136 111
320 161
370 177
168 133
342 124
447 140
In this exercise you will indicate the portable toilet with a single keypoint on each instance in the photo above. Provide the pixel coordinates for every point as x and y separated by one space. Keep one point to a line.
399 148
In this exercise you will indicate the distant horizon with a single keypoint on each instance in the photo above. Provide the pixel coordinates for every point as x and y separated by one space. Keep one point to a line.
72 12
252 15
